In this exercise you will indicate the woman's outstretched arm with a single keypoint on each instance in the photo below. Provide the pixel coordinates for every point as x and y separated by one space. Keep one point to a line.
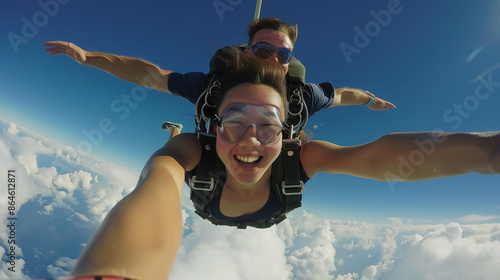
141 235
408 156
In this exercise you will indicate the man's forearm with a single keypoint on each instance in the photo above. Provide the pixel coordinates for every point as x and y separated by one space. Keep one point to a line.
350 96
133 70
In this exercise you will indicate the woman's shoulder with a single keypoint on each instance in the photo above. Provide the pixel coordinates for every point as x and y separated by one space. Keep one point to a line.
309 152
314 147
185 148
316 155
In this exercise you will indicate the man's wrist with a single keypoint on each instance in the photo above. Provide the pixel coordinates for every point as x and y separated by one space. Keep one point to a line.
372 99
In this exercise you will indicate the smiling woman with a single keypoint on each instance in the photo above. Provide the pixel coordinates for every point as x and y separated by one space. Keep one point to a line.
250 151
147 224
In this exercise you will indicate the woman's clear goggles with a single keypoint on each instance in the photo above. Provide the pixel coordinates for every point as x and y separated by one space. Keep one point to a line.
237 118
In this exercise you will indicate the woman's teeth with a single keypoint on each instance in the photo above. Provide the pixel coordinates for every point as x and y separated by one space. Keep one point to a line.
247 159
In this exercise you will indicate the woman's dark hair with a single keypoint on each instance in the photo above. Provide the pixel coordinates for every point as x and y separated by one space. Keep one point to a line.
244 69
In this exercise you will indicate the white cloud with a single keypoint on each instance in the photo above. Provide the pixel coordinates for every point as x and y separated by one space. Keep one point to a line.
29 162
495 236
447 254
57 178
469 219
61 268
68 172
45 177
348 276
211 252
38 253
72 181
12 129
312 254
370 273
82 217
48 210
292 250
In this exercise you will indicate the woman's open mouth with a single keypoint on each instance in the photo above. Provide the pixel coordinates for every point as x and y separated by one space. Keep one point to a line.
248 160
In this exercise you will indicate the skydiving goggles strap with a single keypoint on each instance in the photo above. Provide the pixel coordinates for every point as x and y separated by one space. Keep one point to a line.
203 180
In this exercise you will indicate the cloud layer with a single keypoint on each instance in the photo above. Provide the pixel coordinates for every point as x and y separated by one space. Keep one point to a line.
69 194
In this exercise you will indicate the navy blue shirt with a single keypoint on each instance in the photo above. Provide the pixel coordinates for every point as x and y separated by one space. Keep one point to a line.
191 85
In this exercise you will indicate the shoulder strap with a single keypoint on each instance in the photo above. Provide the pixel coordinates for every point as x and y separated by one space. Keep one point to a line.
205 178
206 105
297 114
285 175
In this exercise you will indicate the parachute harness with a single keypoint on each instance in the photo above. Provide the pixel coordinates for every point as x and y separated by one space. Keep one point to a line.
285 175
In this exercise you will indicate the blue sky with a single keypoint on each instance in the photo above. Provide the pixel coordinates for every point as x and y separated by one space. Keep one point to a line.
426 59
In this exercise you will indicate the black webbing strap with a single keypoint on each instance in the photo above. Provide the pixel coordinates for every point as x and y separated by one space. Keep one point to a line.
208 173
286 176
203 180
206 105
292 185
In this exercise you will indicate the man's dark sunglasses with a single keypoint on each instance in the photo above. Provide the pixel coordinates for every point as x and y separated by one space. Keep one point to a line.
265 50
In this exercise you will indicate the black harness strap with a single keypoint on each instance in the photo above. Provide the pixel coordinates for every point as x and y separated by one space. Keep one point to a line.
285 176
206 105
292 186
203 180
297 113
209 172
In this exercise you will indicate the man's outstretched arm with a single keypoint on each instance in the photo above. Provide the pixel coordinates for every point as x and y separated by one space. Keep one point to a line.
352 96
130 69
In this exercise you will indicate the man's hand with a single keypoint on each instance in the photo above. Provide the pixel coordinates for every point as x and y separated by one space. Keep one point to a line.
381 104
70 49
353 96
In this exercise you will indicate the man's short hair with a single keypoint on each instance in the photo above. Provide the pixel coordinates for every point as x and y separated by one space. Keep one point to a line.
272 23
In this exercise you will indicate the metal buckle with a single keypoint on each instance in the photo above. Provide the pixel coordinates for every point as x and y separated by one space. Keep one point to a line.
285 187
195 181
